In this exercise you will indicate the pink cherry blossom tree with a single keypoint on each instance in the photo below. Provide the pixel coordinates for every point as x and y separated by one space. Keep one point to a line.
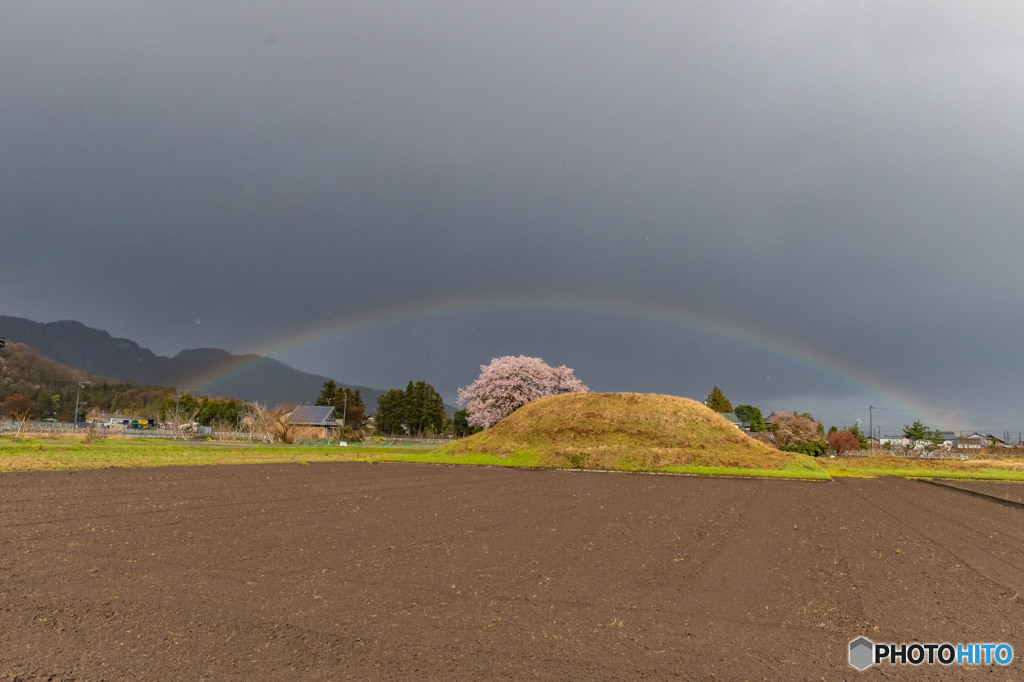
510 382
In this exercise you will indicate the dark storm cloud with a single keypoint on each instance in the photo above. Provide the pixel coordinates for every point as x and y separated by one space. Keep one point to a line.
844 175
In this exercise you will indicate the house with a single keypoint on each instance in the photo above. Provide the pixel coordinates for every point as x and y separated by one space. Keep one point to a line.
975 441
313 422
733 419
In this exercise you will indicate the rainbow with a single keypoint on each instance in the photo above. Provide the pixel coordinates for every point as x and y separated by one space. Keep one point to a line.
811 359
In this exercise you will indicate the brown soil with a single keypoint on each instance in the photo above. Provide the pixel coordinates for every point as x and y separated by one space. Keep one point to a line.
408 571
1006 490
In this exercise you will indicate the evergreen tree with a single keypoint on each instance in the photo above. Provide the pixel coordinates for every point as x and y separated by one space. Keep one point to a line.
418 410
187 404
717 401
327 394
413 410
916 431
862 440
425 409
461 426
348 406
391 412
749 413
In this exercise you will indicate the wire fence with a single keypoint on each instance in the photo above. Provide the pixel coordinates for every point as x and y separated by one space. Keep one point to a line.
998 451
51 428
204 433
918 454
9 426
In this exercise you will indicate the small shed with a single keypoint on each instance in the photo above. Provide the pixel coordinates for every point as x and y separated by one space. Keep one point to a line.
313 422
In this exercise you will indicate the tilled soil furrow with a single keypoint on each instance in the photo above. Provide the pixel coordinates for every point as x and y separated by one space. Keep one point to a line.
982 536
351 570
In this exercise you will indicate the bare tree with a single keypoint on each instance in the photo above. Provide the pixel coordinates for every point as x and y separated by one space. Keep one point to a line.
21 417
20 409
269 424
180 422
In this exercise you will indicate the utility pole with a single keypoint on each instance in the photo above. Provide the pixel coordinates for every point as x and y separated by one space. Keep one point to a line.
871 429
74 417
177 399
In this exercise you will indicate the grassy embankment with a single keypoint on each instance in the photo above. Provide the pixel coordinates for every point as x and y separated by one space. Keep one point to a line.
625 432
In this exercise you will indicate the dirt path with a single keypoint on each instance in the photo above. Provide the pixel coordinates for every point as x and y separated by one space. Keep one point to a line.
403 571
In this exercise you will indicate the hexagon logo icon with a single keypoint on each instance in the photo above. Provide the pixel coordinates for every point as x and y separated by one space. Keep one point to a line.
862 652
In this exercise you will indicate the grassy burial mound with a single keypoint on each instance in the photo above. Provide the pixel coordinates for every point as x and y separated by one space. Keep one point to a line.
628 431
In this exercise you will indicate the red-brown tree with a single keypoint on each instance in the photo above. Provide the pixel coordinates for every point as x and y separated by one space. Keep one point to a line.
19 408
842 441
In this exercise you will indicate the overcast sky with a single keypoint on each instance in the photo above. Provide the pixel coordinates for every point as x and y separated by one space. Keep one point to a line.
833 189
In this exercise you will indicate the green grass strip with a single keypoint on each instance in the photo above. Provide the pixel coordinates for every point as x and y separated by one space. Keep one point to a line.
44 454
477 458
979 474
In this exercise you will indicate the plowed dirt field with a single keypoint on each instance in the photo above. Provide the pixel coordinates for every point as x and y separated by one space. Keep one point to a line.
346 570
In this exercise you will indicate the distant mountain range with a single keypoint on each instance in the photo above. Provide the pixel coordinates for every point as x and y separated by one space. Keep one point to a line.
209 371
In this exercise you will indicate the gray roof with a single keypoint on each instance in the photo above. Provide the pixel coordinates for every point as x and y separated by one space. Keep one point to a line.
764 437
974 437
313 415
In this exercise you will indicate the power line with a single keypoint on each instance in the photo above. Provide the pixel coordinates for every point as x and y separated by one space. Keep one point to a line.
952 414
